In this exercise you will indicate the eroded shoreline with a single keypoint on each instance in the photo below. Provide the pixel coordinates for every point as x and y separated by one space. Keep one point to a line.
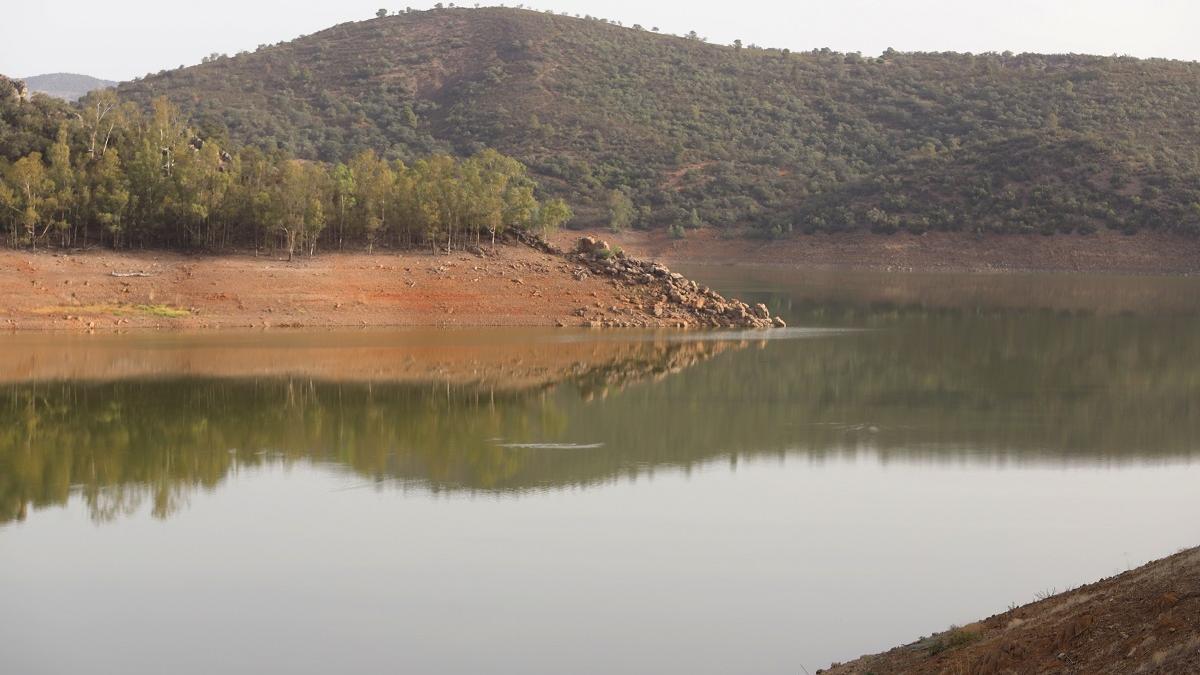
519 283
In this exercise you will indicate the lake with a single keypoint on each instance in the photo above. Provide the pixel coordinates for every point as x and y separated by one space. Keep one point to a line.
916 451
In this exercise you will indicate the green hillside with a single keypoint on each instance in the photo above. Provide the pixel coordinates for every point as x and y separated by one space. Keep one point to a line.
743 136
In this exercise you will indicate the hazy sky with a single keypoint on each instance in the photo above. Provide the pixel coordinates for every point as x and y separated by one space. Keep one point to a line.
120 39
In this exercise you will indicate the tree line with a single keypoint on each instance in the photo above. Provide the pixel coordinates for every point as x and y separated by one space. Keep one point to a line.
124 176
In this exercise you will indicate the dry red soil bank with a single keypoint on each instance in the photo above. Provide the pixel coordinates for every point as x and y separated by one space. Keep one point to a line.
514 286
1143 621
1104 251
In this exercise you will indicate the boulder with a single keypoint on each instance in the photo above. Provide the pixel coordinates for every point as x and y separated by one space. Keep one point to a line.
761 311
736 311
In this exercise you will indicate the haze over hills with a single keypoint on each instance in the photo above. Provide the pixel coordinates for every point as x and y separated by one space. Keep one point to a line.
67 86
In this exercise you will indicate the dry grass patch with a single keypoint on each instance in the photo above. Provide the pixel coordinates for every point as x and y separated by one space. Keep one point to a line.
163 311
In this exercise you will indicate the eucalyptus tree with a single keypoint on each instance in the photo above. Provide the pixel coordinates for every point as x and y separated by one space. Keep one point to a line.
373 181
29 187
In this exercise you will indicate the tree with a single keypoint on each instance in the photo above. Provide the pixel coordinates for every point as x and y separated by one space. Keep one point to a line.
440 198
60 203
620 210
299 204
344 198
198 190
318 188
520 207
8 203
483 183
381 13
552 215
108 195
99 117
373 181
153 146
30 185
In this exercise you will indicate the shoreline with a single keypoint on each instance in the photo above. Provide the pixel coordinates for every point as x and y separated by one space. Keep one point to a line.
526 283
1144 620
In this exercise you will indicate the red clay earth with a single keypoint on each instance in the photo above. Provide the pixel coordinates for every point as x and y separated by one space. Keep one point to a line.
511 285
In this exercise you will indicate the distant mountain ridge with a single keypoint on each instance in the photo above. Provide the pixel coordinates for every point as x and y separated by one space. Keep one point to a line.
67 86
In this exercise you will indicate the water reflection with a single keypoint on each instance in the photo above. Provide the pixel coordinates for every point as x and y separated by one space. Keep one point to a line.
442 420
490 413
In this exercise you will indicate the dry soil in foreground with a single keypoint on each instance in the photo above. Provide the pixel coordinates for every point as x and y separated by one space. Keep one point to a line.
1144 621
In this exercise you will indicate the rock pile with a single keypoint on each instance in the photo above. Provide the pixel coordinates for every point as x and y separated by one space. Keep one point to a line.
667 298
533 241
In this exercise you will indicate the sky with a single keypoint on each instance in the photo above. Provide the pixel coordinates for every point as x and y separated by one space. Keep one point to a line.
122 39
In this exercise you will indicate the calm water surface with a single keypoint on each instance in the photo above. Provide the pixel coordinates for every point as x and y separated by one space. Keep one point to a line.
923 450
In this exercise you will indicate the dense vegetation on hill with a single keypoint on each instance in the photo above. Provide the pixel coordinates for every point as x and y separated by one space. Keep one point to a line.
67 86
637 129
116 173
694 133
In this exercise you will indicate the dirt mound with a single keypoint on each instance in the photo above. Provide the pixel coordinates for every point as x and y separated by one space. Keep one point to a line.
1143 621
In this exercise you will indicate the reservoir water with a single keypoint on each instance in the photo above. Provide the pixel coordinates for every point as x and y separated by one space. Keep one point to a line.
916 451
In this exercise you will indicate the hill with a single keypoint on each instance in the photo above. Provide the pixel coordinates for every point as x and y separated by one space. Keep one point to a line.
696 133
67 86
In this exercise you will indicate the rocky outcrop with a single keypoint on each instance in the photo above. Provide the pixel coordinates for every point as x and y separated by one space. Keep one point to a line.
533 241
665 297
